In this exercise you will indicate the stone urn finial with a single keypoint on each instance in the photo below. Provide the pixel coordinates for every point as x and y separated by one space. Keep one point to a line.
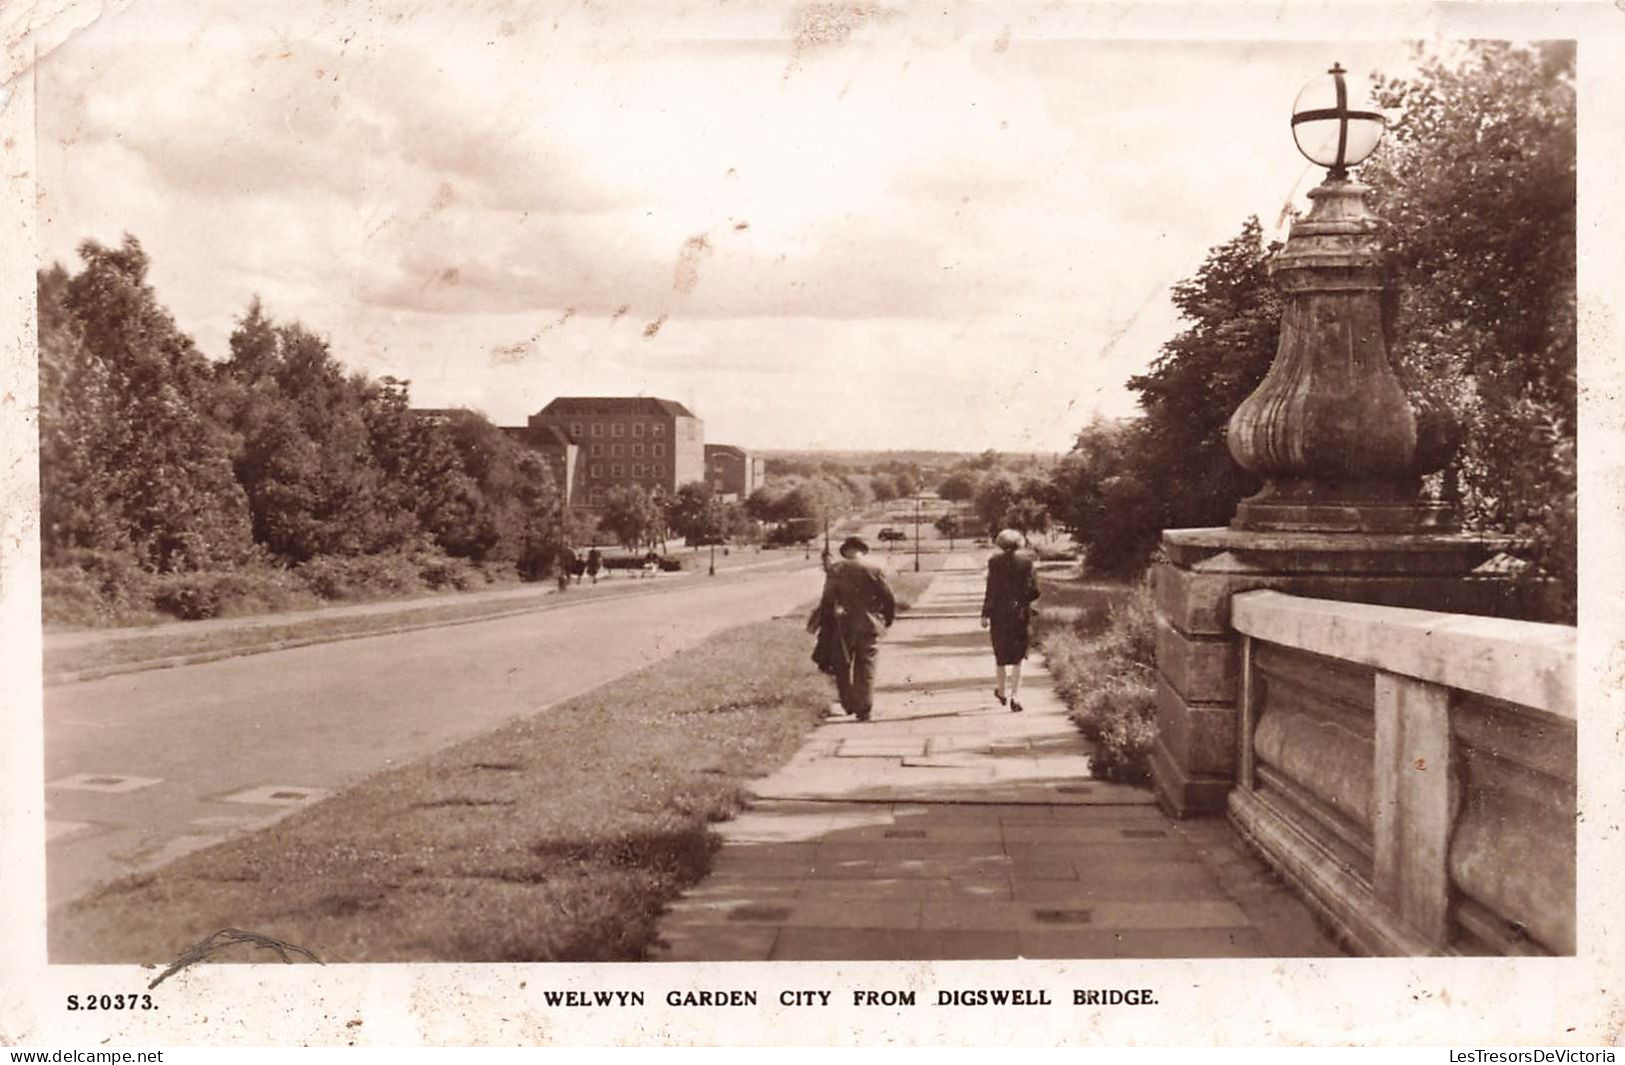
1329 428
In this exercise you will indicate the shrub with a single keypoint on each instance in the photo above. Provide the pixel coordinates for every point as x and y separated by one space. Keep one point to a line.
1107 679
212 594
443 571
116 579
70 596
360 576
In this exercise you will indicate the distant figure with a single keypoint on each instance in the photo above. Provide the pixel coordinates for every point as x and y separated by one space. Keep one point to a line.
651 562
595 562
1007 610
856 604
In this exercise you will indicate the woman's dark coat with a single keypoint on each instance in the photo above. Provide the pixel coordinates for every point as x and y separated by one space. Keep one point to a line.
1007 605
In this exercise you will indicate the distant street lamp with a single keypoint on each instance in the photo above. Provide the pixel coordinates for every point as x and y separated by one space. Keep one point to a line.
918 502
1329 428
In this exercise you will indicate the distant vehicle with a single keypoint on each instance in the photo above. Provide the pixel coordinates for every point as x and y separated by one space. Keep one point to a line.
788 534
892 534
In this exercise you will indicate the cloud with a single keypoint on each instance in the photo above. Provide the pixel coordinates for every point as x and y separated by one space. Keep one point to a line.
893 219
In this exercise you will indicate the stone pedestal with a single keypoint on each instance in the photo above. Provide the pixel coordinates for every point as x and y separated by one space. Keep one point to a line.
1198 661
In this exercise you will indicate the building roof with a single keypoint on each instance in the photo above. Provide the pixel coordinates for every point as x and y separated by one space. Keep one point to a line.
724 449
548 436
567 405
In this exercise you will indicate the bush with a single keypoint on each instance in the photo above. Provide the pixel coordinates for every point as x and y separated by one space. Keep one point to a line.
1108 681
360 576
212 594
442 571
115 580
70 596
536 561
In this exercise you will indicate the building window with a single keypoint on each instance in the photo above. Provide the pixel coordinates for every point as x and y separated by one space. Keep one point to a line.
617 470
637 469
617 429
597 451
658 429
597 428
597 496
598 469
660 451
575 430
638 428
637 449
617 450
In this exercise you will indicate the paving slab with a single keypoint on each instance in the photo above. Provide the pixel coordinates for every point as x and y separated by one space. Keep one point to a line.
949 827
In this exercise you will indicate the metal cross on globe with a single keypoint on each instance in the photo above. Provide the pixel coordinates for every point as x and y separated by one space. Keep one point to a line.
1327 131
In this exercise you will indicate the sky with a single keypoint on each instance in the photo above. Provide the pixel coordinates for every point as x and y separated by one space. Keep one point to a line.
819 225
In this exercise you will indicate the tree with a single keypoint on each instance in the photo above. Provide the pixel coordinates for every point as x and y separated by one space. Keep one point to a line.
993 501
1027 514
1099 494
629 515
77 421
1476 184
1202 375
158 456
959 486
696 514
306 458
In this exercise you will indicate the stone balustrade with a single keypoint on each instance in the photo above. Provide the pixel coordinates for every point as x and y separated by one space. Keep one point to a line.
1413 772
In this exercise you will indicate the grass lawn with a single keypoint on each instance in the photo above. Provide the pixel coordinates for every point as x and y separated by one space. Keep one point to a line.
558 837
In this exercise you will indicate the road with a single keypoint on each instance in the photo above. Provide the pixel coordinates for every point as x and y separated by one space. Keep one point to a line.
144 767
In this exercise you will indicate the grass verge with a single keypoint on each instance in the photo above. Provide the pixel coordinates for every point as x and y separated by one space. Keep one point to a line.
186 643
1099 642
559 837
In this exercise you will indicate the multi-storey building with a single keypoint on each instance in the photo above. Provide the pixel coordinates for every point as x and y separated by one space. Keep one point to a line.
656 443
732 471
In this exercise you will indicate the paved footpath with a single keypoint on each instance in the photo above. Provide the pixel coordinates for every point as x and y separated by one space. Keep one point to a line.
950 827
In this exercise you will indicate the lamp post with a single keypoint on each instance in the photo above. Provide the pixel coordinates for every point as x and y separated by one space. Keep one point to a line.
918 500
1329 428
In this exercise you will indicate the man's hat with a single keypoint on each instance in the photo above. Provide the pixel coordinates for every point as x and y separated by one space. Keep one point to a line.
852 544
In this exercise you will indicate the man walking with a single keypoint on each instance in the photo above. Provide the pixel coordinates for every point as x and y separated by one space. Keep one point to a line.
857 603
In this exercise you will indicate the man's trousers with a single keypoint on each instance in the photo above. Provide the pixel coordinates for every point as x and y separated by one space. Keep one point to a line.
855 676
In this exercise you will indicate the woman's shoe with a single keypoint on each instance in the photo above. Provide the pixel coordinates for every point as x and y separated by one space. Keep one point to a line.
997 694
1015 707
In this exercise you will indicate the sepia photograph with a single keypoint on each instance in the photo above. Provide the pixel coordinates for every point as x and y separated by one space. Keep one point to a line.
586 491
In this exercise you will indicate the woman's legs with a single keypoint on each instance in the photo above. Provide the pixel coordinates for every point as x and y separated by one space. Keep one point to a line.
1000 689
1015 679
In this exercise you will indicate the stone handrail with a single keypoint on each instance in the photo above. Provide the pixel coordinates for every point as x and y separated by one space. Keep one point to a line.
1522 662
1413 771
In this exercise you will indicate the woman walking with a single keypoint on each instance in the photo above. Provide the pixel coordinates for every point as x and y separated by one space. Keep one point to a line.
1006 611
